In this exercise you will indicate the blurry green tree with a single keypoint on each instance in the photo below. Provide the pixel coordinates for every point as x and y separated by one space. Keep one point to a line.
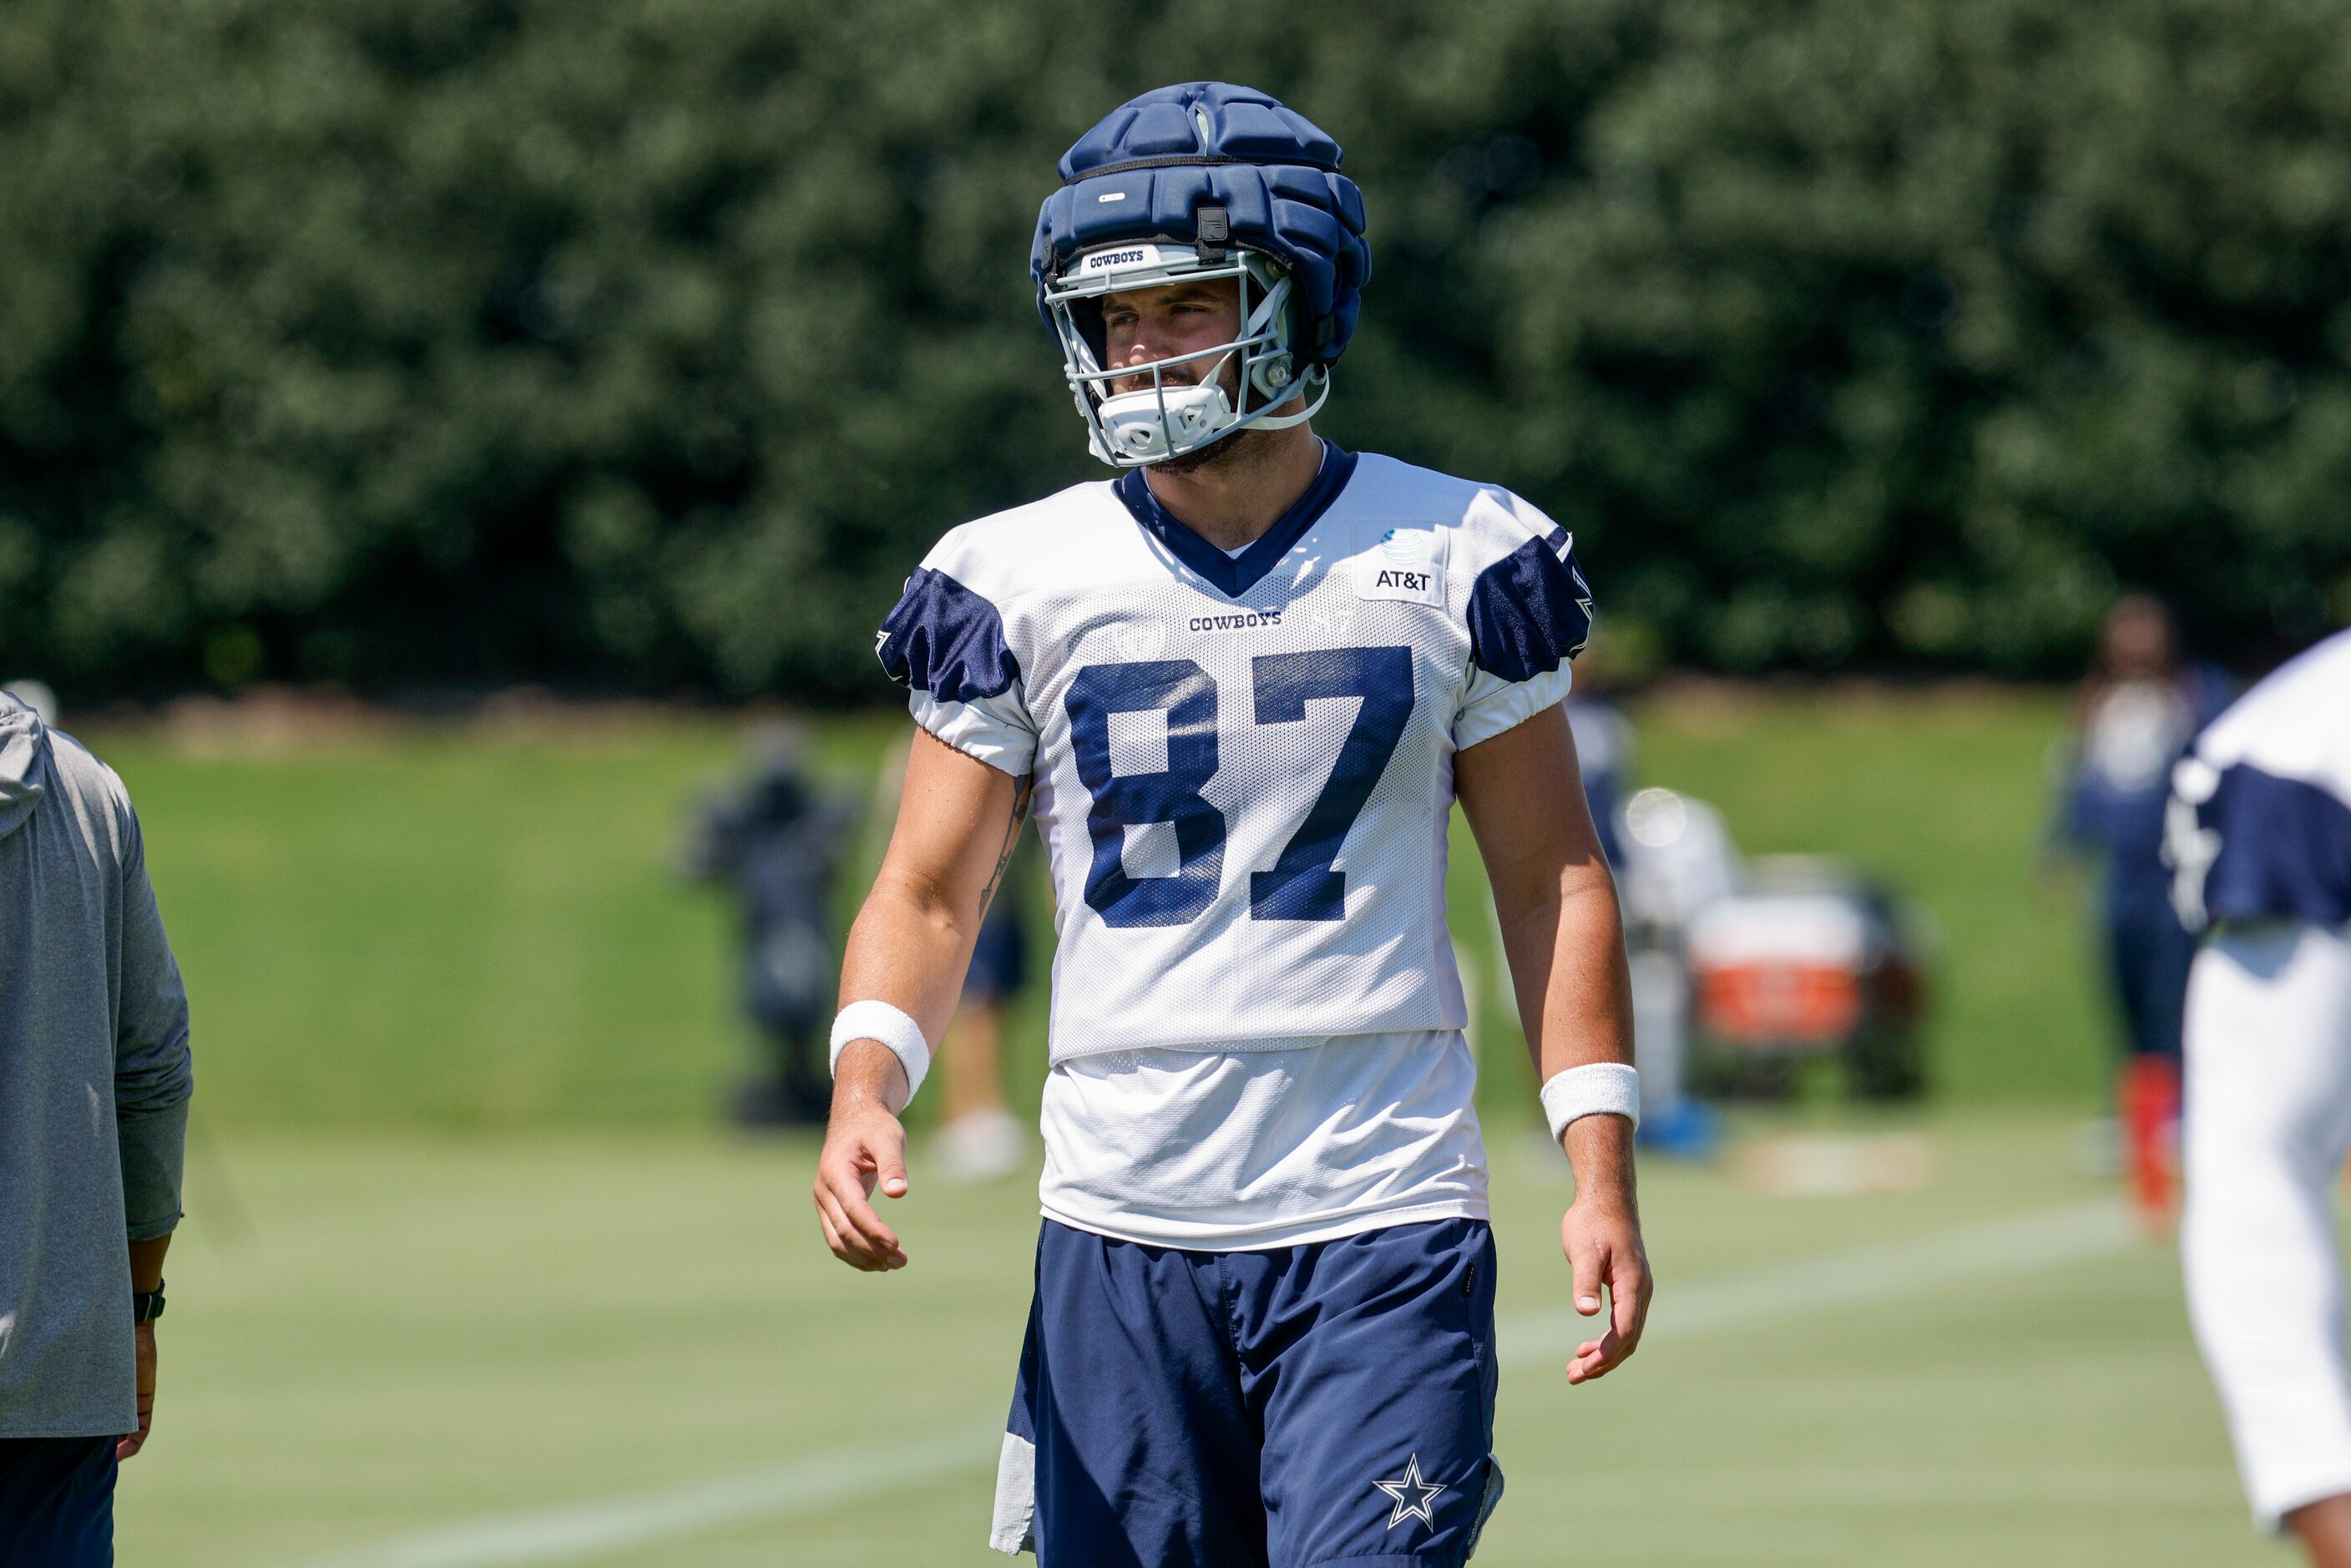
651 342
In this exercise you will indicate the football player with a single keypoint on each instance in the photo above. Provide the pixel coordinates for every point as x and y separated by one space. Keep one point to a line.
2259 836
1241 687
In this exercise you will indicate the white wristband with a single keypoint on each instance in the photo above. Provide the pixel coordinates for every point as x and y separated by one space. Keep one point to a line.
892 1027
1595 1089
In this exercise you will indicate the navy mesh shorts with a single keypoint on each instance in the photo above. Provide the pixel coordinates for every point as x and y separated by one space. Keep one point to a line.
1279 1408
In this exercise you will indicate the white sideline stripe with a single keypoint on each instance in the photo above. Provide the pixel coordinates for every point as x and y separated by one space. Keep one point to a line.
2001 1250
574 1532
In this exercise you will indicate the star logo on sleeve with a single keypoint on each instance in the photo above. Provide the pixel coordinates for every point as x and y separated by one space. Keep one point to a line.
1415 1497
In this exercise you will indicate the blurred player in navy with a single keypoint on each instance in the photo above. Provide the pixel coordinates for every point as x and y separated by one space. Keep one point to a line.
2261 838
2136 713
978 1138
1242 687
777 841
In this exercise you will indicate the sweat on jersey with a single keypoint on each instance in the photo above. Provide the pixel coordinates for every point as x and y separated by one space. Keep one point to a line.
2260 822
1243 777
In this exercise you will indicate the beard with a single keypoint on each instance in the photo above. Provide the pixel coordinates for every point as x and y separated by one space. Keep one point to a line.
1234 452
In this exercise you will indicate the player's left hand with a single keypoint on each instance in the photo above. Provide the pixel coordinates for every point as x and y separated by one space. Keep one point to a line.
130 1444
1601 1239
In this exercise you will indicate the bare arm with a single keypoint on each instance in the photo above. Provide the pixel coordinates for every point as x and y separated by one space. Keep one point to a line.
1564 938
958 822
146 1274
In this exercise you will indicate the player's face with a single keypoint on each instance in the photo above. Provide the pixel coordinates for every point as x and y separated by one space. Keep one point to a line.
2138 645
1146 324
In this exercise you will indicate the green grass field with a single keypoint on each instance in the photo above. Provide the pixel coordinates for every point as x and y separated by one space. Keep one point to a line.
460 928
575 1335
469 1278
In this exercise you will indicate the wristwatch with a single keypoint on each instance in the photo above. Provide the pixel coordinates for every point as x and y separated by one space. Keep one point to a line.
146 1306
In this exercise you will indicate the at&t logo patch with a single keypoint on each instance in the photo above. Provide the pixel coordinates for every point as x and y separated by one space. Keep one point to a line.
1400 560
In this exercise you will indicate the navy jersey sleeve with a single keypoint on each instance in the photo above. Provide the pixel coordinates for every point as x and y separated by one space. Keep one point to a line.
2248 845
1528 612
2258 824
945 643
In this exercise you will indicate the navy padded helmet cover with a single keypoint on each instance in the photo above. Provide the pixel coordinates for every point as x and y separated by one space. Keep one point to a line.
1273 172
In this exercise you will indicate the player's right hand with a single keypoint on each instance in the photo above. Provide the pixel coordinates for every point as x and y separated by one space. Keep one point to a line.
864 1145
131 1442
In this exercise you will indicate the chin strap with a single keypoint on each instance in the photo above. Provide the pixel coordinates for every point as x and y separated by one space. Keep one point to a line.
1316 376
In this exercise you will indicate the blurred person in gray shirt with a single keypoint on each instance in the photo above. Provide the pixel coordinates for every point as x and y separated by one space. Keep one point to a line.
94 1082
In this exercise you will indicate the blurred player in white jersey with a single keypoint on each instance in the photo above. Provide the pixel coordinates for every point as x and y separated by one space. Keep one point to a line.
2261 839
1242 686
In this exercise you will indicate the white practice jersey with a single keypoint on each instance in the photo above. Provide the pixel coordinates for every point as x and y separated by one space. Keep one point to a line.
2259 827
2259 834
1244 767
1243 776
1225 1151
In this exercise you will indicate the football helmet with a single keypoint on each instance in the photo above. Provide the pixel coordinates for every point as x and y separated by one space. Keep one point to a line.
1201 182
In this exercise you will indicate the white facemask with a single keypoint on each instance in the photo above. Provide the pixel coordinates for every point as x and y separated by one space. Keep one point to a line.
1167 418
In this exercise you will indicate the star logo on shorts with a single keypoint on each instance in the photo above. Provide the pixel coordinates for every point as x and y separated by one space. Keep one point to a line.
1415 1497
